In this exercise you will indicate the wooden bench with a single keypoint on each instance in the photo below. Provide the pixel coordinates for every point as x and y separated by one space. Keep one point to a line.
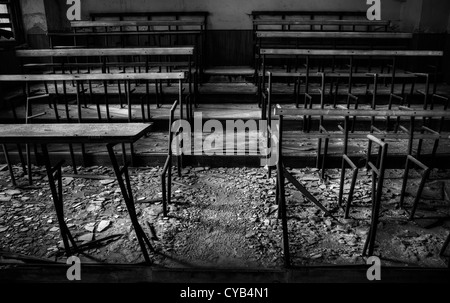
125 29
332 39
82 97
80 80
377 169
195 20
161 58
103 53
171 15
309 15
319 25
352 70
332 35
108 134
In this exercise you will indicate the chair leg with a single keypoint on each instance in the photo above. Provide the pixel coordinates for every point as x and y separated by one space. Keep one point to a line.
445 246
350 194
419 193
8 162
30 173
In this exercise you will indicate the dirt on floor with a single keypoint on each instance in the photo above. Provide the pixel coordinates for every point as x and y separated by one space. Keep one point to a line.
224 217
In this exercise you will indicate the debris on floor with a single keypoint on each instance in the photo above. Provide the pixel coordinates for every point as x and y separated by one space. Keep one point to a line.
224 217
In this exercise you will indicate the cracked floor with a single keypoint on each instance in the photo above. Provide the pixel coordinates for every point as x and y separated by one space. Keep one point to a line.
224 217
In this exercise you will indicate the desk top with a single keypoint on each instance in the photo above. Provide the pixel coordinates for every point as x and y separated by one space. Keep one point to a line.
336 35
348 52
73 133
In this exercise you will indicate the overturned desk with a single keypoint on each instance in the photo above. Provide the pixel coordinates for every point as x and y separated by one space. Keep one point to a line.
110 134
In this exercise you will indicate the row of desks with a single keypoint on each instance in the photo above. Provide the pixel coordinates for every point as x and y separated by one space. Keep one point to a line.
378 172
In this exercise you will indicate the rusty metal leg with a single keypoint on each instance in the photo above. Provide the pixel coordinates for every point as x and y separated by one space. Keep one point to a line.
350 194
324 157
54 175
142 108
120 94
425 176
72 158
105 91
370 235
147 97
377 191
165 192
405 181
282 207
445 246
8 162
22 159
346 159
158 103
29 171
341 185
125 187
128 99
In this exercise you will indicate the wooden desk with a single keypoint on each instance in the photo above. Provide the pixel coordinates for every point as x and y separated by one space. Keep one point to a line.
109 134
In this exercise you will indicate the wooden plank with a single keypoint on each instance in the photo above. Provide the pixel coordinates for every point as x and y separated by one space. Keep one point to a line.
333 35
90 52
338 75
309 13
361 113
113 64
150 14
322 22
345 52
388 136
92 77
125 33
123 273
81 24
73 133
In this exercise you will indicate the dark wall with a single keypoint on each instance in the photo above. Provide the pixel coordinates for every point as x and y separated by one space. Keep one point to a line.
229 47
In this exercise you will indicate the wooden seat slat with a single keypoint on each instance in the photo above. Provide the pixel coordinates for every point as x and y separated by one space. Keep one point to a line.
333 35
87 52
344 52
73 133
361 113
322 22
93 77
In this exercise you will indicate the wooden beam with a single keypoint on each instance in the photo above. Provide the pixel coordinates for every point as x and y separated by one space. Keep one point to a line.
91 52
84 24
203 14
345 52
120 273
124 33
73 133
322 22
309 13
92 77
388 136
280 111
337 75
333 35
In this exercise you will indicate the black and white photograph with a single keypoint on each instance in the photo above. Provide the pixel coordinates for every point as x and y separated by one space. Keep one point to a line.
224 150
